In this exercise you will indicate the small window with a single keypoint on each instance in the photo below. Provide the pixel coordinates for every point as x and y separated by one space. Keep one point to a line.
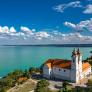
73 60
59 69
50 72
64 70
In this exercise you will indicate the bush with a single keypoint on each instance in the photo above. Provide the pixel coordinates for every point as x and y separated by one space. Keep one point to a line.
33 70
3 89
10 80
26 74
89 83
42 86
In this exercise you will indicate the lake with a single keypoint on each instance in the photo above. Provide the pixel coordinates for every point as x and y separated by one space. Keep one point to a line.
24 57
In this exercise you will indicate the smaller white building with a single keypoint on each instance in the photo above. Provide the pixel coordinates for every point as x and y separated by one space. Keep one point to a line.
72 70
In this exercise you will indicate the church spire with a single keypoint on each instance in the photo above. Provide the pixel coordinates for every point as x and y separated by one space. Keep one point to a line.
74 52
78 51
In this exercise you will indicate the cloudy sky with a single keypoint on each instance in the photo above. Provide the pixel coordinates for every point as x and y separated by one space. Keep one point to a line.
45 22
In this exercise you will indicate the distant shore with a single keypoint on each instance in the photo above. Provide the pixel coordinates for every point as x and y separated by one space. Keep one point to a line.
56 45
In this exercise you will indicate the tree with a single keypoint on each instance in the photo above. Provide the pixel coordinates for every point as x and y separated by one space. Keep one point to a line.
3 89
42 86
26 74
10 80
64 84
60 90
89 83
90 61
32 70
79 89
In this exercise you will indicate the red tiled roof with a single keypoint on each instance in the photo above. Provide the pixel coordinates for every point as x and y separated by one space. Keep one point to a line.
59 63
66 64
85 66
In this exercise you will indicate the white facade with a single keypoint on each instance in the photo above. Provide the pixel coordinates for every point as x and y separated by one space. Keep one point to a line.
47 71
74 74
61 73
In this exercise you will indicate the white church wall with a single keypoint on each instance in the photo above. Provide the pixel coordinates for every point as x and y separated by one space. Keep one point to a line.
74 69
74 76
61 73
46 72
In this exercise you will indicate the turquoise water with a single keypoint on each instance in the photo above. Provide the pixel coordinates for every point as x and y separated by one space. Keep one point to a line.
23 57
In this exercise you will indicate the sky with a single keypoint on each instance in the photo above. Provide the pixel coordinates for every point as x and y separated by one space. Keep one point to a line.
26 22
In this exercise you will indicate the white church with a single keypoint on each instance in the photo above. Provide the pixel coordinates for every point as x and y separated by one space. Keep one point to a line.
72 70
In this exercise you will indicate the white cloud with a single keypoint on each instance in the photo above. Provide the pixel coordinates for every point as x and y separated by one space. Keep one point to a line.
88 9
26 30
69 24
62 7
83 25
12 29
9 36
42 34
5 29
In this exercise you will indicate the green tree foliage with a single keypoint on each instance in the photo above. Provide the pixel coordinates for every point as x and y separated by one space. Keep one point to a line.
3 89
26 74
15 75
33 70
89 83
42 86
64 84
89 60
11 79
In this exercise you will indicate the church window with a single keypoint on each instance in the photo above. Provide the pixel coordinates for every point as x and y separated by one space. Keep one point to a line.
59 69
50 72
64 70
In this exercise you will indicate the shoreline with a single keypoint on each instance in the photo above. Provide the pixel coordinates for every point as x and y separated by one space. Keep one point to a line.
54 45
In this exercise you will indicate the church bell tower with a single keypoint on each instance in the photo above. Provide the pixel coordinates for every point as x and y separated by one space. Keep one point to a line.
76 66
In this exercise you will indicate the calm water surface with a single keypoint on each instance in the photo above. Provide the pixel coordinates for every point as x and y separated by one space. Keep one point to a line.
23 57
